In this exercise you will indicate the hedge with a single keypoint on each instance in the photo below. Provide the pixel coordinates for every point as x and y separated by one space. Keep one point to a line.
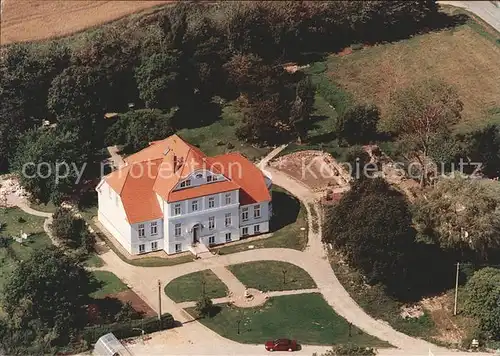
131 328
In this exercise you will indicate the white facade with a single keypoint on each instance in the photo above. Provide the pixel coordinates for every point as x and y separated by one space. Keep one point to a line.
211 219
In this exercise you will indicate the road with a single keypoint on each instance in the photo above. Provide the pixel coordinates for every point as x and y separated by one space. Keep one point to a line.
488 12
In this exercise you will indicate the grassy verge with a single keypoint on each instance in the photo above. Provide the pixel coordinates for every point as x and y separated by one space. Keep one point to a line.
307 318
46 208
272 276
376 303
314 218
94 261
110 284
289 215
190 287
220 136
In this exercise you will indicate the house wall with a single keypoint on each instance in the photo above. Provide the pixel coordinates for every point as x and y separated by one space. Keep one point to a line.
188 218
148 237
262 221
112 215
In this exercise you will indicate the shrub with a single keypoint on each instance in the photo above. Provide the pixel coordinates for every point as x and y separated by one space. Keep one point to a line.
128 329
21 220
358 124
204 306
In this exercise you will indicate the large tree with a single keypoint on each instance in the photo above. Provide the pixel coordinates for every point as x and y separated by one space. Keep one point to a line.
158 80
461 214
358 124
135 129
483 300
71 230
372 226
50 164
483 148
302 107
55 289
420 113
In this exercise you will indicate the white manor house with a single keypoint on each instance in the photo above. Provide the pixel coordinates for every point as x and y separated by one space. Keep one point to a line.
172 197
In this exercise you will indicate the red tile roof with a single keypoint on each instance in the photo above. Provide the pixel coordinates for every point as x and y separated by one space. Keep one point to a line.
151 171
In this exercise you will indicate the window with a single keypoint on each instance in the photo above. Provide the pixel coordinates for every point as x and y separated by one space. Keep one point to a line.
244 214
211 202
154 245
227 219
256 229
188 182
228 237
245 231
141 230
177 209
228 198
199 176
177 230
211 240
211 222
214 178
154 228
256 211
183 184
194 205
209 179
142 248
178 247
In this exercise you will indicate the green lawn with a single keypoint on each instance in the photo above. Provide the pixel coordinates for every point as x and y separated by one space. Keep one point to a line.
307 318
268 276
215 138
94 261
110 284
289 215
13 220
190 286
47 208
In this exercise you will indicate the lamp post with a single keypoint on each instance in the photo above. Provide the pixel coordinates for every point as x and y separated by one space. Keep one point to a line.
303 229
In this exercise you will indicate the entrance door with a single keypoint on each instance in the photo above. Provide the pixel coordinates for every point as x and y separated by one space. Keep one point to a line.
196 234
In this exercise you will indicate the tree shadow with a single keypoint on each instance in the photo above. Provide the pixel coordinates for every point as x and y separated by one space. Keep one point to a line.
196 115
286 210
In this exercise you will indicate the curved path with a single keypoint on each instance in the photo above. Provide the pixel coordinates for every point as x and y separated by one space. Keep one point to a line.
197 339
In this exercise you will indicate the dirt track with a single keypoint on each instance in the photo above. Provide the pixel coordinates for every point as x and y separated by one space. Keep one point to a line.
26 20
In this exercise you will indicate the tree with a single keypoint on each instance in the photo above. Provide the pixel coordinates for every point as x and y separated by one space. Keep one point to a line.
56 288
204 306
372 226
483 147
158 80
50 164
461 214
483 300
358 124
419 114
71 230
135 129
265 121
356 159
302 107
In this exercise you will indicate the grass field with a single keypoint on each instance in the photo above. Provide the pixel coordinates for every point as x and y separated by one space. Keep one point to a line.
462 57
110 284
214 138
268 276
289 215
30 20
190 287
13 220
307 318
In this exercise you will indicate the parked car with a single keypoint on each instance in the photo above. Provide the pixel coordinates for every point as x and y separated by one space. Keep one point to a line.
281 345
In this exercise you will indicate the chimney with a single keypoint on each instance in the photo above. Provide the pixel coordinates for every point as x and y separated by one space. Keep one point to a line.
175 163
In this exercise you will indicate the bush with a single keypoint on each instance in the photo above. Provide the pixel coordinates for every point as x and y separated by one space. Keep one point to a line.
204 306
131 328
358 124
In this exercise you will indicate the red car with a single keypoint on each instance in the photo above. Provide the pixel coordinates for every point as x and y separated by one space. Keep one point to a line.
281 345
